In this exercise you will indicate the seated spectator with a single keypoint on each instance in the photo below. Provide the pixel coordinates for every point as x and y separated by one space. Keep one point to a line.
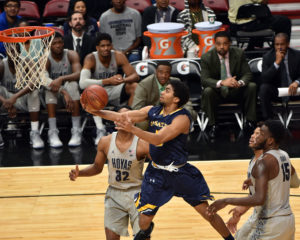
63 68
149 89
275 22
101 68
226 77
94 7
161 12
78 39
9 18
13 99
194 12
91 26
281 68
123 24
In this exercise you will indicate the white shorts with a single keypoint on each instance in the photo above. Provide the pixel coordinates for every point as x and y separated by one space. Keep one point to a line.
119 209
274 228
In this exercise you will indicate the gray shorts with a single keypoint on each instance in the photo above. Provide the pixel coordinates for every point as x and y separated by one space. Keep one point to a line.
274 228
120 209
114 94
29 102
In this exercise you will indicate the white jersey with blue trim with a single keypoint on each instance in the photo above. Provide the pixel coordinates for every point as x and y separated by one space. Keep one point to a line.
125 170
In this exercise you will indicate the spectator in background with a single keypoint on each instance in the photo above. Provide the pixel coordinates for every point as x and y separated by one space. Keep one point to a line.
9 18
162 12
275 22
101 68
148 91
226 77
194 12
123 24
281 68
94 7
91 27
78 39
63 68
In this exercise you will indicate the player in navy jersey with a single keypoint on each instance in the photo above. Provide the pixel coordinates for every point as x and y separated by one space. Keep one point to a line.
168 174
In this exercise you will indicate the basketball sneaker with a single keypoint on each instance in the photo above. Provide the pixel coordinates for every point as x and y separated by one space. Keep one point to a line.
53 138
100 133
76 137
35 140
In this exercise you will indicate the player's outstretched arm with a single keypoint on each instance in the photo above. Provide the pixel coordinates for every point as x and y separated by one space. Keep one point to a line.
295 181
179 125
98 164
262 173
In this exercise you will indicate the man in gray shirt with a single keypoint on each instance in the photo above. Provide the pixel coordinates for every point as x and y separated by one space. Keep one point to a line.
123 24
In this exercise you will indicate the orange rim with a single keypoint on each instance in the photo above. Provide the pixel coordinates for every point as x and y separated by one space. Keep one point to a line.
5 35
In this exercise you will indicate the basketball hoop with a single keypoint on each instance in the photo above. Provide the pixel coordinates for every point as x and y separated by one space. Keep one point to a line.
29 48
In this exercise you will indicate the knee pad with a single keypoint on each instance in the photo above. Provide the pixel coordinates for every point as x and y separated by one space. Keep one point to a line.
144 234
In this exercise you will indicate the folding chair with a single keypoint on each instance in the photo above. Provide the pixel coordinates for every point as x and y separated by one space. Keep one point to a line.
259 11
284 110
56 11
139 5
30 11
144 68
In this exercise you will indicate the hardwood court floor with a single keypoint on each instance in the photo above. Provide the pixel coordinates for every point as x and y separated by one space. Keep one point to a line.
41 203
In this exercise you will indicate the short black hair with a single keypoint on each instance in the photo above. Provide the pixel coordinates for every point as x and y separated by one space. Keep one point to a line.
181 91
222 34
58 35
17 1
276 130
164 63
102 36
282 35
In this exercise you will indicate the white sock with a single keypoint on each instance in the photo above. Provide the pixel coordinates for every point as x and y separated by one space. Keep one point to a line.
76 122
98 122
35 126
52 123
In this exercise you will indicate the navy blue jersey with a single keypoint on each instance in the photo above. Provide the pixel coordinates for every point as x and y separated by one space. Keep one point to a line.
173 150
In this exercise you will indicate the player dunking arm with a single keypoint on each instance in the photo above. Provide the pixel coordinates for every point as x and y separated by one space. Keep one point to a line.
125 154
101 68
238 211
168 174
272 218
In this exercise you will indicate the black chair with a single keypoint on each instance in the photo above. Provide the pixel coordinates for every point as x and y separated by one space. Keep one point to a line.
285 110
258 11
144 68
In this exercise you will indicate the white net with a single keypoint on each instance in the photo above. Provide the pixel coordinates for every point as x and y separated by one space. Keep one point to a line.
30 57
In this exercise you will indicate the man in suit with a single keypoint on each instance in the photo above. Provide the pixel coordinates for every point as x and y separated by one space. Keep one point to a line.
78 40
226 77
281 68
149 89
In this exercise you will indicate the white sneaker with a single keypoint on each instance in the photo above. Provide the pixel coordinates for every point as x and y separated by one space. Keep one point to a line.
53 138
100 134
76 137
35 140
1 141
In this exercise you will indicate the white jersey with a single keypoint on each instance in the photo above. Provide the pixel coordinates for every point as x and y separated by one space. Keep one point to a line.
9 79
60 68
277 201
125 171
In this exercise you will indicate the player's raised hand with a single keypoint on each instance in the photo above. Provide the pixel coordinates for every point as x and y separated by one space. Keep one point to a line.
233 221
124 123
74 173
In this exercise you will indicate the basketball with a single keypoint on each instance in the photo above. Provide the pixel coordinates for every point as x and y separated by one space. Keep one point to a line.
94 97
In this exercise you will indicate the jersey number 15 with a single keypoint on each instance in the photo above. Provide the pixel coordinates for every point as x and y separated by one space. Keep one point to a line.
286 171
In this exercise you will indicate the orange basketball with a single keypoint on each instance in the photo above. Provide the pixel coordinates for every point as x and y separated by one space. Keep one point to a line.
94 97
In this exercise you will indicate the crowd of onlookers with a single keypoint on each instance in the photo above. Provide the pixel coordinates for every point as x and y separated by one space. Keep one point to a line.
101 37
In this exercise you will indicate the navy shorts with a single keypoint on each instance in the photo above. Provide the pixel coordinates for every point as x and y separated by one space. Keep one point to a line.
159 186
